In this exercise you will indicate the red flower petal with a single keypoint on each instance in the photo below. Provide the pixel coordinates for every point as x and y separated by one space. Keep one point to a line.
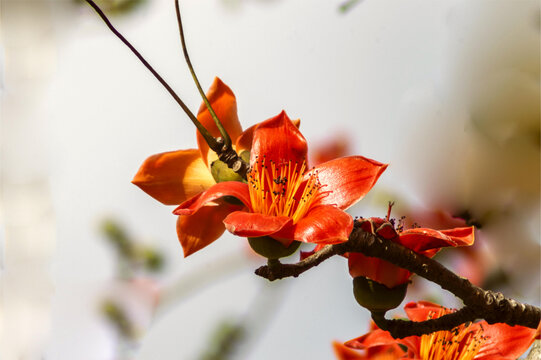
377 269
224 104
321 225
172 177
203 227
242 223
420 310
344 353
422 239
504 341
346 180
244 141
279 140
376 337
229 188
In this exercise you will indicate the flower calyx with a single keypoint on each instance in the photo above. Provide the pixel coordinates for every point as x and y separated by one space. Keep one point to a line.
377 297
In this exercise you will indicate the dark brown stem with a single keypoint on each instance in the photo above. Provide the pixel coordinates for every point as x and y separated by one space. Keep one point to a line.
208 137
402 328
479 303
232 159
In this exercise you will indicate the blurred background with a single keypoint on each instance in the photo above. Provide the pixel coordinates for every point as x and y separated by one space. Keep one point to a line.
447 92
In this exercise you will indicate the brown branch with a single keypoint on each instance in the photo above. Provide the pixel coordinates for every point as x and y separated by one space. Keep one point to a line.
403 328
479 303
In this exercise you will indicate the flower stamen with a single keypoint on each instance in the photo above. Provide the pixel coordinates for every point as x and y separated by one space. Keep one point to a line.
461 343
282 189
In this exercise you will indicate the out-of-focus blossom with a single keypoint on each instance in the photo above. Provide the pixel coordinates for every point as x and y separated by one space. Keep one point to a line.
335 147
283 199
421 240
480 341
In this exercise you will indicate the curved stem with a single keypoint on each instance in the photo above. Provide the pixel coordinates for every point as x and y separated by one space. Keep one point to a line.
213 144
223 132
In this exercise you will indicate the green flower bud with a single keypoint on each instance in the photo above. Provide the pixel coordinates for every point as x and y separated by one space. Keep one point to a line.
377 297
270 248
221 172
245 155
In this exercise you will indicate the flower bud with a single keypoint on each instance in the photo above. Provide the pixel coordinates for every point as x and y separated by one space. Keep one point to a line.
377 297
221 172
245 155
270 248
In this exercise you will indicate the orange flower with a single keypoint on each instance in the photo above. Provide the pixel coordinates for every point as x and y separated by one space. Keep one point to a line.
283 199
480 341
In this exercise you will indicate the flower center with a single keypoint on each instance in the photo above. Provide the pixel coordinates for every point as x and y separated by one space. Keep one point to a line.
282 189
461 343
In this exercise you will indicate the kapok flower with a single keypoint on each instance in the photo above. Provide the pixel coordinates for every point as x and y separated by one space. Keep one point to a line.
421 240
480 341
285 200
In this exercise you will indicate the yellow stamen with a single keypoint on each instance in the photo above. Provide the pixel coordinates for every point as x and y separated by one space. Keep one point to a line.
461 343
282 189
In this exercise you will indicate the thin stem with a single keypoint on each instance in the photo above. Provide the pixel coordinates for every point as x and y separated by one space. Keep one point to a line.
213 144
223 132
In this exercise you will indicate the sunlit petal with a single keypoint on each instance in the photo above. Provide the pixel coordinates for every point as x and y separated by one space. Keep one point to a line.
174 176
203 227
321 225
224 105
226 189
347 180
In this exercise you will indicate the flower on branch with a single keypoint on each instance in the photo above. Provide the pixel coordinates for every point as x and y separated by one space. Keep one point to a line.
480 341
421 240
283 198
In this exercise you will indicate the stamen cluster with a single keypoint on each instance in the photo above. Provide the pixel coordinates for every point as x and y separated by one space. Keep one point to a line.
282 189
461 343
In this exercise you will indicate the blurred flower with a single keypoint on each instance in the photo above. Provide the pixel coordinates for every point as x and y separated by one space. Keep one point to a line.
283 200
479 340
335 147
421 240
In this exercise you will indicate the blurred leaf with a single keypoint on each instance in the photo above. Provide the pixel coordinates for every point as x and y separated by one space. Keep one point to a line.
114 313
117 7
118 238
223 341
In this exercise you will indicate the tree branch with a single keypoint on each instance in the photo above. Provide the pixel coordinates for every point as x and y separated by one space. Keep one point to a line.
403 328
478 303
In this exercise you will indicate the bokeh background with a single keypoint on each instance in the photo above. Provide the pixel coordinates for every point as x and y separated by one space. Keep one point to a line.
447 92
